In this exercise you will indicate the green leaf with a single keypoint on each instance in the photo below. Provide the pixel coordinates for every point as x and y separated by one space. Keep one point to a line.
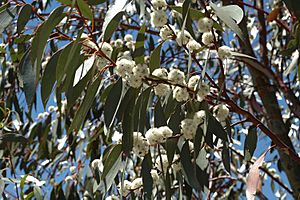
86 104
159 116
176 117
38 193
85 9
23 38
23 18
6 17
171 146
226 157
216 128
42 34
111 159
155 58
250 143
113 18
202 160
146 176
27 74
139 46
189 168
12 137
48 79
143 109
112 103
231 19
69 59
128 124
252 62
95 2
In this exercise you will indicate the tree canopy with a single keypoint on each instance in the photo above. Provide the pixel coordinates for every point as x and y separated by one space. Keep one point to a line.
149 99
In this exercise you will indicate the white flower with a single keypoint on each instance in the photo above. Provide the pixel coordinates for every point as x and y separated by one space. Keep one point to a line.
128 38
224 52
193 82
119 43
154 136
161 89
183 37
188 128
134 81
207 38
68 178
180 94
106 48
140 144
161 73
203 91
124 67
34 180
136 183
51 109
97 164
221 112
141 70
177 76
73 169
193 46
159 4
205 24
130 45
159 18
166 132
126 187
199 117
165 32
164 161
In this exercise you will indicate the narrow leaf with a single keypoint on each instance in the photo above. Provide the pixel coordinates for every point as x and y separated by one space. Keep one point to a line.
250 143
85 9
155 58
24 17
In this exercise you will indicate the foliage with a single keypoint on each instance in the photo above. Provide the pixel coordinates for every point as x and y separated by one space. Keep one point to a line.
149 99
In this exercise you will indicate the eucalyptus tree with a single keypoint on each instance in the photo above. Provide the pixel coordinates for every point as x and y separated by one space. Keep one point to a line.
156 99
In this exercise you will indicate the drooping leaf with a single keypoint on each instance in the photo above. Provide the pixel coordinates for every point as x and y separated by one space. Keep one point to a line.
42 34
171 146
176 117
112 103
252 62
96 2
38 193
128 123
230 18
6 17
85 9
83 69
253 177
159 116
146 176
143 109
48 79
139 46
226 157
250 143
86 104
112 18
12 137
112 157
24 17
154 62
28 78
189 168
202 160
215 127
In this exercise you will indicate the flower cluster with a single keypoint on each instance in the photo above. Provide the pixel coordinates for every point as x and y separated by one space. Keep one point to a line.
130 72
189 126
129 43
205 24
161 89
140 144
221 112
158 135
158 16
224 52
165 32
202 88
